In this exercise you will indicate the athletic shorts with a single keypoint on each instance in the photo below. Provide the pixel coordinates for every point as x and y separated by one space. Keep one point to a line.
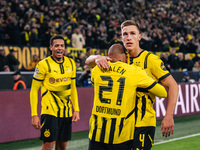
93 145
54 128
143 138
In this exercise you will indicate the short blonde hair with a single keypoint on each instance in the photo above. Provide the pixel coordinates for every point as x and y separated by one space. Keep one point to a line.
129 23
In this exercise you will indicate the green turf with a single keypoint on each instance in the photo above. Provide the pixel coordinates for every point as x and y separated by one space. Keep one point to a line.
183 126
191 143
28 144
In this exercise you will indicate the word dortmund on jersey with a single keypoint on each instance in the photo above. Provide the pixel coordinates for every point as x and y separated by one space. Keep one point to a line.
113 120
56 87
153 65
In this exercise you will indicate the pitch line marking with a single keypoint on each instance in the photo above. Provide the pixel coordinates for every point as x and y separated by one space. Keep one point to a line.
175 139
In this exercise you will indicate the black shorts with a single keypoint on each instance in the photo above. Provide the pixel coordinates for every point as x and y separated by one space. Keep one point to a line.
53 128
143 138
103 146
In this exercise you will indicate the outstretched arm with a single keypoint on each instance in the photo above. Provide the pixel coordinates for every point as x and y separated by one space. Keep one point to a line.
162 92
99 60
167 125
74 100
34 102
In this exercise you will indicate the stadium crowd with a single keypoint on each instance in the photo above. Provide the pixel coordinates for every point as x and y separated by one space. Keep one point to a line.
165 24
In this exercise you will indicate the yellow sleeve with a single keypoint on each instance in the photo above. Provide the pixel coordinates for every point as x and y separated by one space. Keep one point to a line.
74 96
158 90
34 96
146 83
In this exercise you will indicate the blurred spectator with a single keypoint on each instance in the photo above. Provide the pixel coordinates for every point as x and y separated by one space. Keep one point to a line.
13 62
6 68
97 52
3 32
78 65
19 81
84 79
188 63
68 54
114 40
78 40
89 39
196 67
79 59
34 61
181 61
182 47
3 60
86 55
196 58
191 47
174 23
26 35
164 58
173 60
186 78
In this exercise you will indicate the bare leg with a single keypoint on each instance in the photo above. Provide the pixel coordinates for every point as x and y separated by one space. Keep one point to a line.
61 145
47 145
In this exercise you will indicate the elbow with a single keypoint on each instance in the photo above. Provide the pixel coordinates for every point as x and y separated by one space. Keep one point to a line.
163 94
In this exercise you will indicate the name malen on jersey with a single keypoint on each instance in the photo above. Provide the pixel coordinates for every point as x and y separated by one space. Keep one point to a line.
53 80
108 110
117 69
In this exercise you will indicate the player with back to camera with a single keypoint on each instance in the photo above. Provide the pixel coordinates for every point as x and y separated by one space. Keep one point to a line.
113 115
145 114
56 76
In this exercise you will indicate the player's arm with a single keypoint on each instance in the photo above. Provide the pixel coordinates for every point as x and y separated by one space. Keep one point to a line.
147 84
34 102
74 100
101 61
158 90
167 125
159 70
74 95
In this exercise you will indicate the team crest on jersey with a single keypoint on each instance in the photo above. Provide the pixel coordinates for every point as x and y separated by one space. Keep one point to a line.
52 80
47 133
163 67
36 72
68 70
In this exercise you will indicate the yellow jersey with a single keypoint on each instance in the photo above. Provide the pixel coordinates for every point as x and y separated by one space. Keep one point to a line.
153 65
113 120
56 80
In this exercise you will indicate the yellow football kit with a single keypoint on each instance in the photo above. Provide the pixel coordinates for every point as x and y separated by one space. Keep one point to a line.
58 87
113 120
153 65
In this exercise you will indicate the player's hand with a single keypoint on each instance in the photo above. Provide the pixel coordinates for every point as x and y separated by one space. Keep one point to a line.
102 62
75 116
167 126
36 122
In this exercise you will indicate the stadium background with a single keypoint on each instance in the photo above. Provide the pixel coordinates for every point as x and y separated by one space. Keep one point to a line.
14 103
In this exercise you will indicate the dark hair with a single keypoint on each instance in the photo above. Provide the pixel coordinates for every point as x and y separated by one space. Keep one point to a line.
55 37
129 23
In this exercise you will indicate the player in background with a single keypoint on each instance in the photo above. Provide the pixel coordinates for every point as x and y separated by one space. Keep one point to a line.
56 76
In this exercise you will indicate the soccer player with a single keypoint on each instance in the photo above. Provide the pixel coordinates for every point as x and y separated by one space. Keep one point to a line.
112 121
56 77
145 114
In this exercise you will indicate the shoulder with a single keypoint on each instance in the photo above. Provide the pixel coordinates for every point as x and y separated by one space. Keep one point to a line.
150 55
69 59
